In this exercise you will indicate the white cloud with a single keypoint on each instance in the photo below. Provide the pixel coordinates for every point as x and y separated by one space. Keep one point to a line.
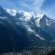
33 5
36 5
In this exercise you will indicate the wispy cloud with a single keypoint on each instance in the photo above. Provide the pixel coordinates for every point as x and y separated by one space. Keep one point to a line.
37 6
34 5
30 5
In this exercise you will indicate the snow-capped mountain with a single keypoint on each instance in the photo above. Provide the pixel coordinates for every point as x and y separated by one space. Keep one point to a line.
20 29
29 19
25 16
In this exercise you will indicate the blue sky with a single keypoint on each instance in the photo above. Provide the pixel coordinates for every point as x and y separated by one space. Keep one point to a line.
38 6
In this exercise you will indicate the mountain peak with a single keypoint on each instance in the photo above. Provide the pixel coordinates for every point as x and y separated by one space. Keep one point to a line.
13 12
40 15
45 17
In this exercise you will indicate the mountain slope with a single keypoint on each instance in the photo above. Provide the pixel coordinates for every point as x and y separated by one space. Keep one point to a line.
21 29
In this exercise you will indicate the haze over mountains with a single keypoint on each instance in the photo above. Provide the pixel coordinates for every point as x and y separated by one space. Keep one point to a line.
21 29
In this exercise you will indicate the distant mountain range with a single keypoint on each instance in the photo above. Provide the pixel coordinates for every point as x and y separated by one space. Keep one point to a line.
21 29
